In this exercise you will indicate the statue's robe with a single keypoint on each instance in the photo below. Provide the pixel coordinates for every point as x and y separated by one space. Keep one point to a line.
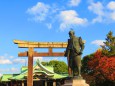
74 49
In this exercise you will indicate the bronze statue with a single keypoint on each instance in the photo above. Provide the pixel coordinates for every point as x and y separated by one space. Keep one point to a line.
73 53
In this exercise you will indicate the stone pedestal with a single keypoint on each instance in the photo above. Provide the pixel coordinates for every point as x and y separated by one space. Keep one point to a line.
45 83
79 82
54 83
22 83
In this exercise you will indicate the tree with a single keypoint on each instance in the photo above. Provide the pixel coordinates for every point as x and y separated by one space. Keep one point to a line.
0 78
107 67
109 47
59 66
85 60
103 68
101 64
45 63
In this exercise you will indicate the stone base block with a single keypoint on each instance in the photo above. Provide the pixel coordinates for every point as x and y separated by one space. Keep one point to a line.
79 82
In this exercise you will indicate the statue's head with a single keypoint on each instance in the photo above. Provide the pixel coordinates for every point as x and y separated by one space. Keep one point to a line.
71 33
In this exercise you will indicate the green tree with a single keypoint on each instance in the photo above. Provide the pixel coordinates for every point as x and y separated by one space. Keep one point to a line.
0 78
85 60
45 63
59 66
109 48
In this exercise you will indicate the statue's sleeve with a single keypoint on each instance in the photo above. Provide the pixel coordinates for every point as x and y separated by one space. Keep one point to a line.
81 44
67 49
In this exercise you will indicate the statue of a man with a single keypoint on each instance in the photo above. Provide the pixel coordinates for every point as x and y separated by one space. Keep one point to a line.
73 53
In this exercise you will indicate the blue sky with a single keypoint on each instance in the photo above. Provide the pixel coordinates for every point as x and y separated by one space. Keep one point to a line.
50 21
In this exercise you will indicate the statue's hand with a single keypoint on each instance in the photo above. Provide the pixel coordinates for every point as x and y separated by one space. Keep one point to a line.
65 55
80 53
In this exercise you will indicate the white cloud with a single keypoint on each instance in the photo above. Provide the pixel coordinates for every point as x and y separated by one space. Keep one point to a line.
11 57
42 59
18 60
0 74
9 70
112 15
98 42
97 19
2 57
42 11
5 61
70 17
55 58
74 2
111 5
4 70
39 11
49 25
6 56
105 13
36 58
98 9
14 69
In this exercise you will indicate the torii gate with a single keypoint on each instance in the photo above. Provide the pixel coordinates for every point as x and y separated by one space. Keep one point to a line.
31 53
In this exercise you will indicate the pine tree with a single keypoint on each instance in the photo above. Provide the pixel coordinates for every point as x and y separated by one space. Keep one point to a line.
109 47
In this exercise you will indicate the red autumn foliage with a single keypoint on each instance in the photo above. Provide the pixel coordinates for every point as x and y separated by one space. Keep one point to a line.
107 67
103 65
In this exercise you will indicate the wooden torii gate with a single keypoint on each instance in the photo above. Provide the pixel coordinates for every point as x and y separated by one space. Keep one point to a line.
31 53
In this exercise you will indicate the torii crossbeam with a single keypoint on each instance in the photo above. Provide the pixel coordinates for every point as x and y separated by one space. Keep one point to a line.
31 53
